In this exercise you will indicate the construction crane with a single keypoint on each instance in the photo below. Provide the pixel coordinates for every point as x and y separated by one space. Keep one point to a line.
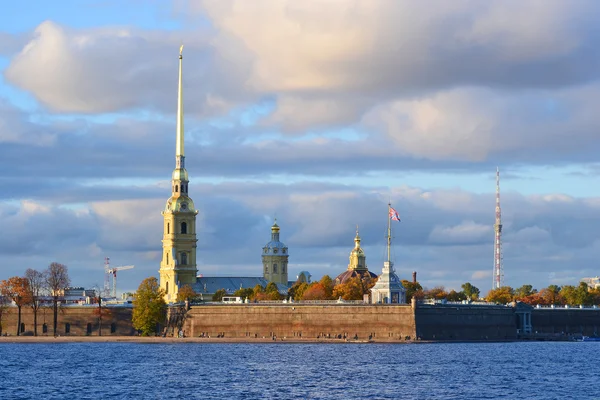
108 271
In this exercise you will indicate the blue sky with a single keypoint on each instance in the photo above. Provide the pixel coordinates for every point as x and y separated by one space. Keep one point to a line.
317 112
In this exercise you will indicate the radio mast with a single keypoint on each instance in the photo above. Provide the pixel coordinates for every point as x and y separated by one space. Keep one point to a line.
498 275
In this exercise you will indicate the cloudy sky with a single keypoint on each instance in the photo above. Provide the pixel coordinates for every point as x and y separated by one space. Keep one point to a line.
316 112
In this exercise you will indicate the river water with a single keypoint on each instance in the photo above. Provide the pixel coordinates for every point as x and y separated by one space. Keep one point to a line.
537 370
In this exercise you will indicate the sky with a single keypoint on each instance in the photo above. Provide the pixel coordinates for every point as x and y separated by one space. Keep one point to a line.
314 112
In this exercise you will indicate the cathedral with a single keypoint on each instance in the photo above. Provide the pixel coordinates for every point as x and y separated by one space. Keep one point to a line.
178 265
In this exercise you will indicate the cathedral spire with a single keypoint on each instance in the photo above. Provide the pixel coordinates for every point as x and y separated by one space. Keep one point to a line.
179 153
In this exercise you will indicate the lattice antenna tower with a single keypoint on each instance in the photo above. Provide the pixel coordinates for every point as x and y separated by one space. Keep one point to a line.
498 275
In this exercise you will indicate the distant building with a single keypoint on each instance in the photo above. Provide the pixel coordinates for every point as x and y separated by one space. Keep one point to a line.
357 265
275 258
304 277
593 283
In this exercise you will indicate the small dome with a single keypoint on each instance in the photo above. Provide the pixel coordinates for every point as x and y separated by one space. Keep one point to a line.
180 204
180 174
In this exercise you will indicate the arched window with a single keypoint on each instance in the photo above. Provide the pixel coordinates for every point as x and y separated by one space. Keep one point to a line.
168 227
274 268
266 269
183 227
167 254
176 188
184 258
167 288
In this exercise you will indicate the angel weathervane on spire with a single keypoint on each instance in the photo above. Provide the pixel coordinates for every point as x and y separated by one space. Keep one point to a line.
181 50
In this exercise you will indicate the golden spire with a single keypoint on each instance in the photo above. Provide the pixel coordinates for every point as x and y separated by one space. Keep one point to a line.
179 146
357 239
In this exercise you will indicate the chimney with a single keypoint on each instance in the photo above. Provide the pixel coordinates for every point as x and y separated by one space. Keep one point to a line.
414 276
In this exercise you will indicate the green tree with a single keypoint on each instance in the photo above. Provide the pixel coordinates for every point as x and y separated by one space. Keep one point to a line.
411 289
501 295
523 292
244 293
57 279
327 284
453 295
297 290
148 307
470 291
551 295
218 296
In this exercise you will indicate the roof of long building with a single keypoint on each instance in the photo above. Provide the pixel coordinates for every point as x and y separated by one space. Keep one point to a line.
210 284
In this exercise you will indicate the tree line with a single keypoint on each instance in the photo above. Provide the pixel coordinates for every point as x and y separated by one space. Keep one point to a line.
555 295
30 289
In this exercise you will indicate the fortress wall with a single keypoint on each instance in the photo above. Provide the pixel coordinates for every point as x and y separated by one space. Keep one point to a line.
384 322
566 320
77 316
463 322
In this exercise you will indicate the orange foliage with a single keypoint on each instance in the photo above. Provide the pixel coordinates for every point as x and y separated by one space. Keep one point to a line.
316 291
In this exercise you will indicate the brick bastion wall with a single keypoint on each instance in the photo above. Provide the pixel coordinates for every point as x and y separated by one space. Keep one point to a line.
72 320
381 322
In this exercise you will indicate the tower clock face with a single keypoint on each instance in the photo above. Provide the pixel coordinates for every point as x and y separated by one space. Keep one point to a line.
184 206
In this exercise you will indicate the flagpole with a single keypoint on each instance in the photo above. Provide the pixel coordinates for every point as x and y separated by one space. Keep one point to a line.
389 241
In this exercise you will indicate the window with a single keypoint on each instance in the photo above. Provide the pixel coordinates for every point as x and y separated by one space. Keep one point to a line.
45 328
89 328
167 288
283 268
168 227
275 250
176 188
184 258
266 269
113 327
22 327
67 328
183 227
167 255
274 268
283 251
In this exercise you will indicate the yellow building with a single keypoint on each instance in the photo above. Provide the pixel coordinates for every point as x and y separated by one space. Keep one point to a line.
178 265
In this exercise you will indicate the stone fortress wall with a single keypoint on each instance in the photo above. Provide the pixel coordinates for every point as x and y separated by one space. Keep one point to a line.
388 322
72 320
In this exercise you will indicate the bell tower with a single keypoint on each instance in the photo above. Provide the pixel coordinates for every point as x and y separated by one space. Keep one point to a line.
275 258
178 265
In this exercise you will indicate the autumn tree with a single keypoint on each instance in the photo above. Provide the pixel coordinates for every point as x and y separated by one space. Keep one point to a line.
219 294
186 293
316 291
576 295
352 289
36 283
437 293
411 289
57 279
148 307
470 291
501 295
16 289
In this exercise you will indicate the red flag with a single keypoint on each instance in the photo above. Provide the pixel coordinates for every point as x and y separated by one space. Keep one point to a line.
394 215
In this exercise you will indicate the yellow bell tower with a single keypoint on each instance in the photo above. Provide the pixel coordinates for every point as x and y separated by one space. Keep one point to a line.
178 265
